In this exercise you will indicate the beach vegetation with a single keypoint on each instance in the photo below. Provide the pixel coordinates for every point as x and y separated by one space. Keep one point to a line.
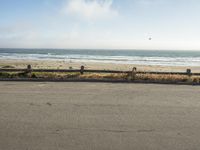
175 78
163 77
103 76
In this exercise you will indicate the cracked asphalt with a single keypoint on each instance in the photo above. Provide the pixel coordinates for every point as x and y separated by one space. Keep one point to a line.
98 116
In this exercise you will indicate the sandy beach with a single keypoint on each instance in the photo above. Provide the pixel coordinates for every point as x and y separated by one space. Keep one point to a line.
98 116
56 64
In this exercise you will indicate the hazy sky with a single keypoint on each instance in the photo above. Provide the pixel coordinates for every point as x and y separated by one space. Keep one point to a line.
114 24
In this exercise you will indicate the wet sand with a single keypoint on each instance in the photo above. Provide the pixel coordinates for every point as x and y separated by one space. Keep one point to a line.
98 116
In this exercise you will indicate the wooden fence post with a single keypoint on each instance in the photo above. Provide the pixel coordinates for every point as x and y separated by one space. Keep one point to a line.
189 72
82 69
29 68
134 72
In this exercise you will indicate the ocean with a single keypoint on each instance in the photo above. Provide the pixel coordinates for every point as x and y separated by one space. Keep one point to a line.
139 57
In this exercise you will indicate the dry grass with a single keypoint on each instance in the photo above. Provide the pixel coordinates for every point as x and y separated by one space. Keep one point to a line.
163 77
168 78
103 76
55 75
141 77
196 79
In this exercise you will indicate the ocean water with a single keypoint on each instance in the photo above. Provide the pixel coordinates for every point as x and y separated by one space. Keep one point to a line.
140 57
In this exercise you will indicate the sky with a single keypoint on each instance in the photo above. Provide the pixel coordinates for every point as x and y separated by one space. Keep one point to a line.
100 24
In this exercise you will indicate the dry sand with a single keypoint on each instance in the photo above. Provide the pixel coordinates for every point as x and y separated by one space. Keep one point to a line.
49 64
98 116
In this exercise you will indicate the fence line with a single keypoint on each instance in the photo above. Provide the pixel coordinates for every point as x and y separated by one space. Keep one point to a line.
82 71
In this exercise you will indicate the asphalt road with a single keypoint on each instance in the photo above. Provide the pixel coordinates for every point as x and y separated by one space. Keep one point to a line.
99 116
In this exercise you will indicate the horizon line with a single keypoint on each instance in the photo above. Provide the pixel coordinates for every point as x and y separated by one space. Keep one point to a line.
129 49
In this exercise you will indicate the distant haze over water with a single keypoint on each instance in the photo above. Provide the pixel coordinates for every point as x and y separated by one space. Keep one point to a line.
139 57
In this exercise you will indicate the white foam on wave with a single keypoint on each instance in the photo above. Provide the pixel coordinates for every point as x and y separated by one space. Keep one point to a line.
139 60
